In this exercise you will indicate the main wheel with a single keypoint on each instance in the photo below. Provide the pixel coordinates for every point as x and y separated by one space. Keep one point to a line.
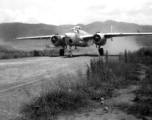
61 52
101 51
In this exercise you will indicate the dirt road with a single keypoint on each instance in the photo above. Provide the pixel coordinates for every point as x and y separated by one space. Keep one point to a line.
18 74
20 77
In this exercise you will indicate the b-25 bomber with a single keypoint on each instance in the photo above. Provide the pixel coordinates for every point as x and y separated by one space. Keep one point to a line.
76 37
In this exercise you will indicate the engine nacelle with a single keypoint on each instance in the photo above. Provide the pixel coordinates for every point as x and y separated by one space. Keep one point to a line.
58 40
99 39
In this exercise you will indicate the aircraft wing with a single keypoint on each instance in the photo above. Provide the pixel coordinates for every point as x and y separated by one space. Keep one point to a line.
35 37
110 35
87 37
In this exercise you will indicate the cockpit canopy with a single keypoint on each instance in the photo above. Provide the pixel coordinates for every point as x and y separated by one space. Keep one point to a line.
75 29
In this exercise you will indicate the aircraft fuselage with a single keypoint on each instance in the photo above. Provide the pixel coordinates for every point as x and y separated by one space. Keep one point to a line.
75 39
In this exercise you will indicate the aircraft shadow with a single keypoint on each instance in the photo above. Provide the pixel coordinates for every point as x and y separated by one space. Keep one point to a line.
81 55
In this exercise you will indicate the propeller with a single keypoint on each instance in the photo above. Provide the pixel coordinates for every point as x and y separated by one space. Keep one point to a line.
97 38
54 39
111 32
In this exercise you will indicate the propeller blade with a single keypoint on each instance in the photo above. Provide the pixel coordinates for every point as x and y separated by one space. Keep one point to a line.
111 29
111 32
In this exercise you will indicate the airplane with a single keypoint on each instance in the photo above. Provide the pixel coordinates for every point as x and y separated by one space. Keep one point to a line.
78 38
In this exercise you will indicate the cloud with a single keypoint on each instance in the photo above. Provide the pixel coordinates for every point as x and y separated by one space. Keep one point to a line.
127 11
8 15
75 11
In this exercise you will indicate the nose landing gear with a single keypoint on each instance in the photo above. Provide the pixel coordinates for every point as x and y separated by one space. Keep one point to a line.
70 53
62 51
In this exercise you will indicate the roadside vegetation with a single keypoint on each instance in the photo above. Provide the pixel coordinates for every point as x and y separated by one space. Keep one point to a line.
144 56
142 107
14 54
69 92
73 92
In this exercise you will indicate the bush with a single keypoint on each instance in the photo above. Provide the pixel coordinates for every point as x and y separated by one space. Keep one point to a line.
143 101
52 103
11 54
110 75
144 56
141 108
69 92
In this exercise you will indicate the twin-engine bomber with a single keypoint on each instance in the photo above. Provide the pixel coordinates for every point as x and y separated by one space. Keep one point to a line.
79 38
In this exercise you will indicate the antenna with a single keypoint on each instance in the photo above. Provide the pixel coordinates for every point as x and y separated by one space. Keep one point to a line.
139 32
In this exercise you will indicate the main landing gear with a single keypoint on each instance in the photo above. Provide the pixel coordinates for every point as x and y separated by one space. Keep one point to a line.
61 52
101 51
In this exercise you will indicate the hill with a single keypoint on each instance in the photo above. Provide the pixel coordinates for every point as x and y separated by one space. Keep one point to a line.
6 48
9 31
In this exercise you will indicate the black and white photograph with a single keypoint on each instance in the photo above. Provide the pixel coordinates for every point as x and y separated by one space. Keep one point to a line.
75 60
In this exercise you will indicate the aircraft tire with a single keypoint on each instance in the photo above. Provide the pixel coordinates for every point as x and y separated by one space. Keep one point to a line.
101 51
70 54
61 52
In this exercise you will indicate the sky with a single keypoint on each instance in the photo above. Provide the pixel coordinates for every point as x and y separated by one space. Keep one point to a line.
59 12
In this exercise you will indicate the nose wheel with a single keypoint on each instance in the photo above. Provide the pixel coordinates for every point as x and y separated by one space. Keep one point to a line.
61 52
70 53
101 51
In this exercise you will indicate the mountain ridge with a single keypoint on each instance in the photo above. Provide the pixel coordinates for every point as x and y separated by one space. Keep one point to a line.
10 31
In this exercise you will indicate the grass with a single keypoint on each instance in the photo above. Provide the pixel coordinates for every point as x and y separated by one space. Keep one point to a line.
69 93
111 74
64 95
14 54
144 56
142 106
52 103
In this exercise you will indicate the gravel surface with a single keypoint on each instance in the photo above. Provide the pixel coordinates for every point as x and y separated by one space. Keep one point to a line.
17 75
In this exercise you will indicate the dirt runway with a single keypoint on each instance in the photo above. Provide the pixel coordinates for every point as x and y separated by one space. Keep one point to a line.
18 72
17 75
